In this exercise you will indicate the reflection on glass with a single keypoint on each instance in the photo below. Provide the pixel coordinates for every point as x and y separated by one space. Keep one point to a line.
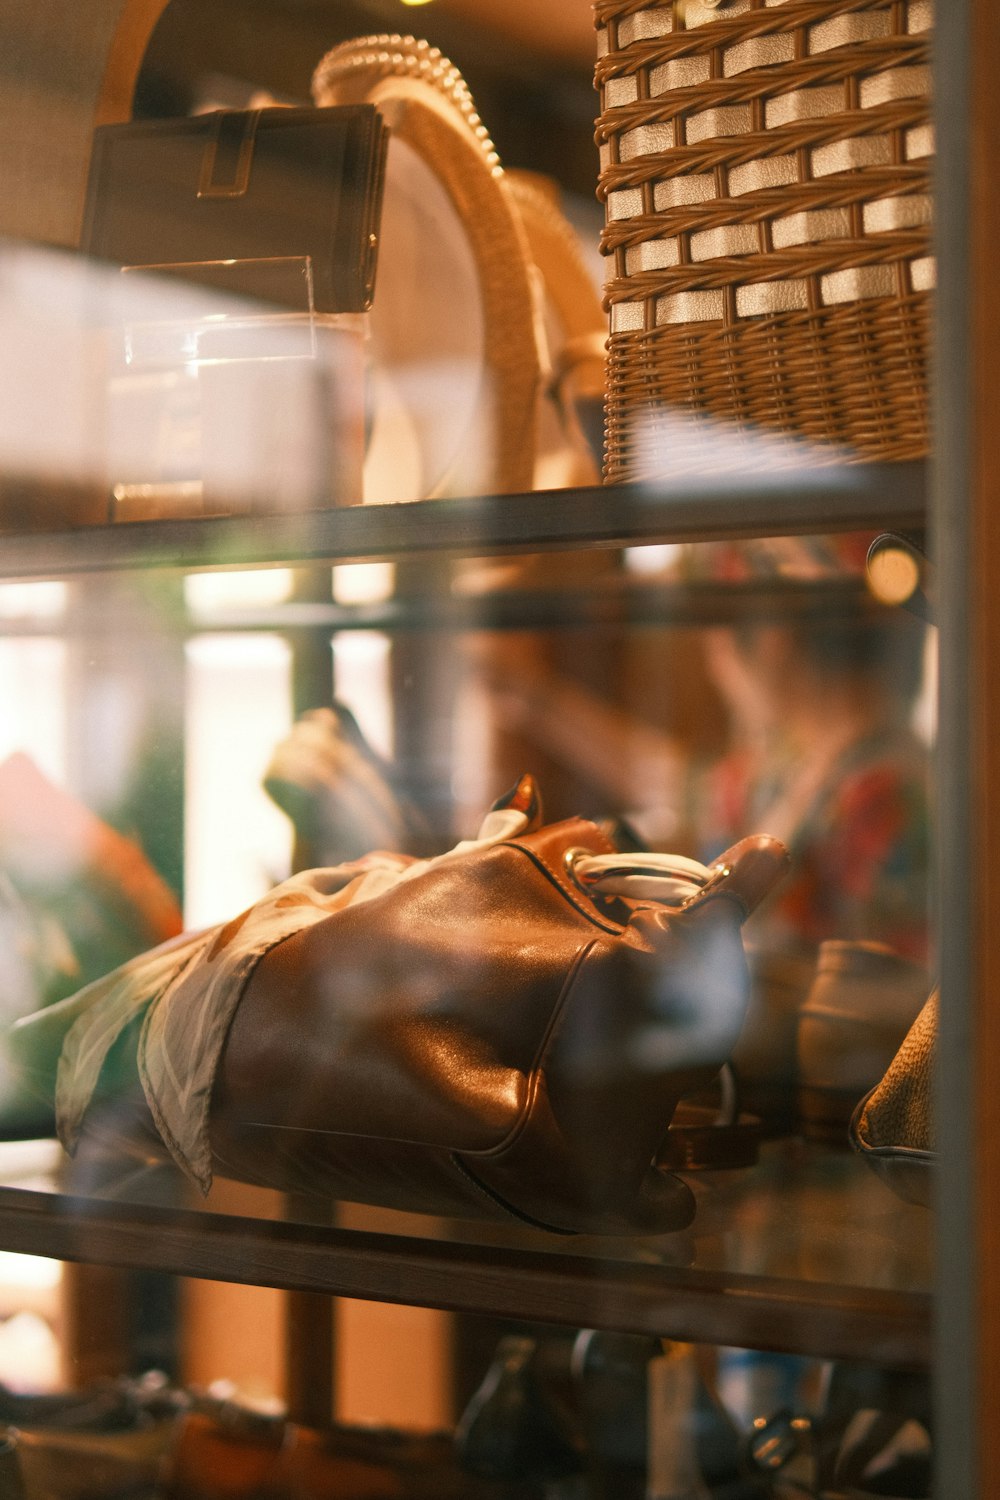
180 398
33 689
361 670
363 583
694 449
208 594
32 601
236 842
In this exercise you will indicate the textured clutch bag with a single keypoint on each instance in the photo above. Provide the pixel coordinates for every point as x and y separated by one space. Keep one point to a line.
893 1126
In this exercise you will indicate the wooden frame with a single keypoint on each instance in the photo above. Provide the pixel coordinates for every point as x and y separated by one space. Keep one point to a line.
966 527
67 68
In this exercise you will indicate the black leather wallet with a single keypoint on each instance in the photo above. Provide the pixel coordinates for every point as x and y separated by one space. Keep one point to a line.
277 204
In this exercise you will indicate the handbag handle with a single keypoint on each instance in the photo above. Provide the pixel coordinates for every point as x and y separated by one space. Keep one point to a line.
671 879
747 872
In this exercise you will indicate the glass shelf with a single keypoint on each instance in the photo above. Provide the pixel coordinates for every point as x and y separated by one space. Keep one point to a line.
807 1252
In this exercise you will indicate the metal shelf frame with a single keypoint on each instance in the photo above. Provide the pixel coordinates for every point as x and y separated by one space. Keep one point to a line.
833 498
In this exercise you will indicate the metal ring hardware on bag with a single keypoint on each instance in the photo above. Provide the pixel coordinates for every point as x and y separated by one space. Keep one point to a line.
671 879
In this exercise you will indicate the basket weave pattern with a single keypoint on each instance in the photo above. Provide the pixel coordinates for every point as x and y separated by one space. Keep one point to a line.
766 171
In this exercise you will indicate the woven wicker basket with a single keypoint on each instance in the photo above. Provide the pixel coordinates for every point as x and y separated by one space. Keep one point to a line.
765 166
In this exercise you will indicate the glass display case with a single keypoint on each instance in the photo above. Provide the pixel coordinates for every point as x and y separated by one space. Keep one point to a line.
204 705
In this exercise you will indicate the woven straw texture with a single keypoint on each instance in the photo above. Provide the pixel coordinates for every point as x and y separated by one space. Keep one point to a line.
765 166
900 1111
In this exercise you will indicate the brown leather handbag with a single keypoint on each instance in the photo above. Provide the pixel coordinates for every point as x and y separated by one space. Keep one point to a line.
491 1038
501 1032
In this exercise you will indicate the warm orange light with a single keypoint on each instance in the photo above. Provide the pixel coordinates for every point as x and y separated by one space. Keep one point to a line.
893 575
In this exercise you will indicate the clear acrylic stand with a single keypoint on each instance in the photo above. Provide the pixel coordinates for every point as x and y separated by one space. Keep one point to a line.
232 402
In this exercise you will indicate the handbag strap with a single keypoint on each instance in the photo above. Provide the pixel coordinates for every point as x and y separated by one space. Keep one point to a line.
391 55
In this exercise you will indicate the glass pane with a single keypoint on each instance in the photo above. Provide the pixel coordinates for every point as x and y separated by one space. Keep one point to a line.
468 958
